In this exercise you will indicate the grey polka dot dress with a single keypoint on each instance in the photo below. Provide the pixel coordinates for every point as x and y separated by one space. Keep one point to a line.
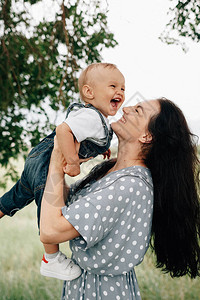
113 216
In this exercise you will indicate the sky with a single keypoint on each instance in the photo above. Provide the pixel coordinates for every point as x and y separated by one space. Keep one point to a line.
151 67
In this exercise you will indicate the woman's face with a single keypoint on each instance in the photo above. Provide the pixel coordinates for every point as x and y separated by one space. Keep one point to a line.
133 125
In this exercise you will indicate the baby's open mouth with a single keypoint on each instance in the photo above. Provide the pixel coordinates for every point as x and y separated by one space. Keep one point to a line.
115 102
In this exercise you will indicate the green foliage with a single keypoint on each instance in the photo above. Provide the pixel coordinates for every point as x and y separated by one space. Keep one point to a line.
184 23
39 65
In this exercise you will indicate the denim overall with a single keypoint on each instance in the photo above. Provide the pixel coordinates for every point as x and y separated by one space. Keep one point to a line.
33 179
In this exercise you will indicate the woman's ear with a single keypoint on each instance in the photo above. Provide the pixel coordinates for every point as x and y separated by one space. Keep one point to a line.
88 92
146 138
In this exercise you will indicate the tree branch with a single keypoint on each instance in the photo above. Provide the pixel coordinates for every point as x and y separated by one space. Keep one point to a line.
69 49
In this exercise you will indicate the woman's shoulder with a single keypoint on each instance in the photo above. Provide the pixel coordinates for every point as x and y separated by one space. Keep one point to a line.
133 171
129 175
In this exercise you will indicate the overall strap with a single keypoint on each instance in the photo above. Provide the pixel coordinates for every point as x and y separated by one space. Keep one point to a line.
108 133
105 127
74 106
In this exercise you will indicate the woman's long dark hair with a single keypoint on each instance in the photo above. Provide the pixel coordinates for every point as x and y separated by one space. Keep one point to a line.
172 159
96 173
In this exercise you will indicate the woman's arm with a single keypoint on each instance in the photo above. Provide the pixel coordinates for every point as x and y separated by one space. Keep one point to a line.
54 228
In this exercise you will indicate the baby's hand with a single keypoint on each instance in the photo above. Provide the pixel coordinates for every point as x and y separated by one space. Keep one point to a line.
106 154
72 170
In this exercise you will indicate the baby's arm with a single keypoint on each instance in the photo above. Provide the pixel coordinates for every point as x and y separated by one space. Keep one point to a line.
66 143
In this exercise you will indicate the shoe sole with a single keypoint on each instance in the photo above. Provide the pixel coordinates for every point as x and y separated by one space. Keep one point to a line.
60 276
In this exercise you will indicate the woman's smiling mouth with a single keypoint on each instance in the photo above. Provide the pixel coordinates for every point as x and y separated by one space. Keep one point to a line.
123 120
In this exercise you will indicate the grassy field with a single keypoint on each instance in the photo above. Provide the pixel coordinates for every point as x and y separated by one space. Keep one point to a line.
20 257
21 253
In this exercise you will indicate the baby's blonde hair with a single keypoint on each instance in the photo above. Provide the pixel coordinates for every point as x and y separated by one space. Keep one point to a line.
85 78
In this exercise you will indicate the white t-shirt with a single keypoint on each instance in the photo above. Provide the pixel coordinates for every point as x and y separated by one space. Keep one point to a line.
85 123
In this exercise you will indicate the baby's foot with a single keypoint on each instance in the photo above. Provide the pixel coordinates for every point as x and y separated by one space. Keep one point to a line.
60 267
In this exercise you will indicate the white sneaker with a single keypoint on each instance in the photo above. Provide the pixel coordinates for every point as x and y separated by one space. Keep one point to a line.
60 267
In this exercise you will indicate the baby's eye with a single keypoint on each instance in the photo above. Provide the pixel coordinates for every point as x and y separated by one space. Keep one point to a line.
112 85
123 89
136 110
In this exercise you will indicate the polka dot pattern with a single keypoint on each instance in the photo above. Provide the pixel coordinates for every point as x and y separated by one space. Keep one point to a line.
113 217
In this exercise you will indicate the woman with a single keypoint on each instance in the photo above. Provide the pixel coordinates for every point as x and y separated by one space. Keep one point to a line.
111 215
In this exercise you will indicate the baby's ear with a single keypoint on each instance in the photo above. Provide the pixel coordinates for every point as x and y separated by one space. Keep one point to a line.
88 92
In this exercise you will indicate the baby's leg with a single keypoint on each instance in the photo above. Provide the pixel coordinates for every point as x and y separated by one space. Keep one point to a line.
55 264
51 249
16 198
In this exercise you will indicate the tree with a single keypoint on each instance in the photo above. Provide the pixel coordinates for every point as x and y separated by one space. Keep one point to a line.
184 23
39 66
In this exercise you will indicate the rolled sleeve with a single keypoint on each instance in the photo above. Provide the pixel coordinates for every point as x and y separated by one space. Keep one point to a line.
86 219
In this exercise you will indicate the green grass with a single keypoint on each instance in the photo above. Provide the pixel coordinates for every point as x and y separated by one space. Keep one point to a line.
157 286
20 256
21 253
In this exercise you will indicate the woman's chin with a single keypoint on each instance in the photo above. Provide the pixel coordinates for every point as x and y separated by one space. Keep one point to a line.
113 125
116 127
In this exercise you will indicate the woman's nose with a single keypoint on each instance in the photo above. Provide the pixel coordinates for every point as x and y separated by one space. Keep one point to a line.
126 110
129 110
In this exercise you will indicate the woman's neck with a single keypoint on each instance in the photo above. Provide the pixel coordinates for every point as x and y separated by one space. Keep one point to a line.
127 156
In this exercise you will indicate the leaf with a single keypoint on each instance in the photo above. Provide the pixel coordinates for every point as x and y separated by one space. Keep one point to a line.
184 23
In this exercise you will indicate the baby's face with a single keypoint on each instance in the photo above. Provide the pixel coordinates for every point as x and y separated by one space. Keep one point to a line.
108 86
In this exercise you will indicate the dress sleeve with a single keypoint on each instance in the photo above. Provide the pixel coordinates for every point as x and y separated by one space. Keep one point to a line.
96 214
